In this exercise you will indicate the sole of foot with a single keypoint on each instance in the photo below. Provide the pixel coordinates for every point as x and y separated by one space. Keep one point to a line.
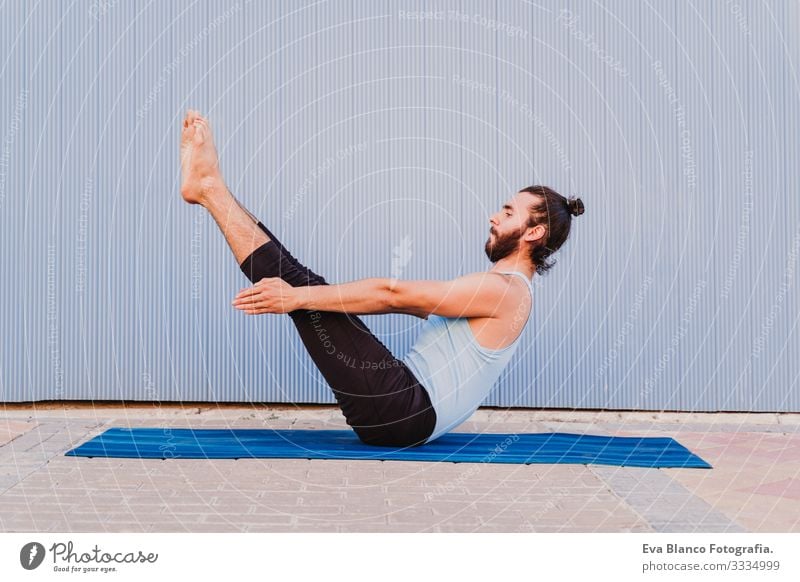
199 160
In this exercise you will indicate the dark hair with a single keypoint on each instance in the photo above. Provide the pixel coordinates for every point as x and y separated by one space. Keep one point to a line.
555 212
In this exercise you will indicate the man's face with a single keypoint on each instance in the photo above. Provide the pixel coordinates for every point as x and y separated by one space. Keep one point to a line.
507 226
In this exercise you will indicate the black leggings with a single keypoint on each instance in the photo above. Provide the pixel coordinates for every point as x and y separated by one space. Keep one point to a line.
380 397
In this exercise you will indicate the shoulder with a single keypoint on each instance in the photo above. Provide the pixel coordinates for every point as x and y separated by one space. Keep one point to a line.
497 284
519 293
506 289
506 281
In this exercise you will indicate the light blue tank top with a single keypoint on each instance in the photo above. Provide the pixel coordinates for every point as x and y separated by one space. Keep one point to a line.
456 370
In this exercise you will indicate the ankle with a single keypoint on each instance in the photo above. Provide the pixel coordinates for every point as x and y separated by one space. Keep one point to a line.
212 190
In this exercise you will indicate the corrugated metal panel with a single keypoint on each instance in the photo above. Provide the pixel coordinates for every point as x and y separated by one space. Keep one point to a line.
375 144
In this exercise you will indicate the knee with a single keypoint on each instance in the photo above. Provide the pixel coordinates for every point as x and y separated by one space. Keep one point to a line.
260 263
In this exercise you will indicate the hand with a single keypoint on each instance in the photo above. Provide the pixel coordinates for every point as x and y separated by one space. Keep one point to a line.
270 295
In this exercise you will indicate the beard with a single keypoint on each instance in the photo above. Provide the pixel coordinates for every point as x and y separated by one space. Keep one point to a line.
503 245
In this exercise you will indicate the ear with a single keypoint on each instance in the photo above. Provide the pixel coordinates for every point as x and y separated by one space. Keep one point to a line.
535 233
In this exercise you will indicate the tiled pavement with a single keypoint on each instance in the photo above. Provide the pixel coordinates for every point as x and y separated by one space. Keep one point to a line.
754 485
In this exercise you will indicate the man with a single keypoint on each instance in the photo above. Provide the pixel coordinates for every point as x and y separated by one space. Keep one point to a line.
473 323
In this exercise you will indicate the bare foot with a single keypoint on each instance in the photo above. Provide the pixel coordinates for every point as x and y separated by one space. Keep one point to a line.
199 160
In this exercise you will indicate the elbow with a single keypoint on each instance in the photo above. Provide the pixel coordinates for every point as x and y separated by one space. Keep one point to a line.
402 299
393 290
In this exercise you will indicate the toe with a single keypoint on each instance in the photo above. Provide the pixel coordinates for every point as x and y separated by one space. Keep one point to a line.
188 132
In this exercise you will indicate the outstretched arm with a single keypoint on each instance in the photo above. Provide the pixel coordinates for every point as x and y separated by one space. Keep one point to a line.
273 295
475 295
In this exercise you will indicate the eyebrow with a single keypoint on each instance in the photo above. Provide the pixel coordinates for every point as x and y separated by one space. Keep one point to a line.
507 207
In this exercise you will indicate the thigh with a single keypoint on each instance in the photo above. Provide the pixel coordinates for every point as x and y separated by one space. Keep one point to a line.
349 355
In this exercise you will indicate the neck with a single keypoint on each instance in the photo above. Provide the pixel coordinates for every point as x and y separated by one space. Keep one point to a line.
514 264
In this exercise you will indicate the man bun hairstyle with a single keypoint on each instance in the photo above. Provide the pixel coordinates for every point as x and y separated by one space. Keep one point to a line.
554 212
575 206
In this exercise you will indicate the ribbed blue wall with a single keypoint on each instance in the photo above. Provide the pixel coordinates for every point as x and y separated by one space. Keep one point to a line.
376 143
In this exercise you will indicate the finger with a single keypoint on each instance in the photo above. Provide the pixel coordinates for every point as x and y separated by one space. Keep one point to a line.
245 303
248 293
242 302
244 295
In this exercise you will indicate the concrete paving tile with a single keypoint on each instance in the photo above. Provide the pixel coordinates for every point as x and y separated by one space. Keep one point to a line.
465 518
229 509
197 528
448 527
12 429
365 528
310 499
317 510
776 520
788 488
683 527
493 528
412 515
379 528
323 485
368 503
361 520
165 519
127 527
304 528
188 506
245 522
75 525
280 499
377 504
29 527
19 471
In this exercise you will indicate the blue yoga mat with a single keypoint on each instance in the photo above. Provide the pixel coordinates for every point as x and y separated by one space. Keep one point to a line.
457 447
